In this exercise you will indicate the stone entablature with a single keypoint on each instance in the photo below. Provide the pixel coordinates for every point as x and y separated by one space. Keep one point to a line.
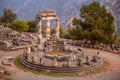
45 13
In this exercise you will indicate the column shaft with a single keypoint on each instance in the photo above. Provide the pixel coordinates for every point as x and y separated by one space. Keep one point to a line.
39 32
57 29
47 29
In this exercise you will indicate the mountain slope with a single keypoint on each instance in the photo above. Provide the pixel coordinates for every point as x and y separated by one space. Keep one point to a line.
66 9
27 9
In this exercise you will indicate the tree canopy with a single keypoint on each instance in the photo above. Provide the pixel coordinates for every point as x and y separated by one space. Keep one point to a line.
32 26
8 16
19 25
96 24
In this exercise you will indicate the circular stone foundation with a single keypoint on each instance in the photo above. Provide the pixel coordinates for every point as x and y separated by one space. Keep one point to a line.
58 57
77 69
60 61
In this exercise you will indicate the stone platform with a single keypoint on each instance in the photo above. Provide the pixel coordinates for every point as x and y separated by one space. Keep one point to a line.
58 57
72 61
75 69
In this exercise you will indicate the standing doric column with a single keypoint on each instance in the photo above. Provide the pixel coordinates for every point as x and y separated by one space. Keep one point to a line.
47 28
40 31
57 29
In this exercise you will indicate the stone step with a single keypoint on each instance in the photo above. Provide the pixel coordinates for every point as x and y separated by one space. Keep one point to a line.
59 69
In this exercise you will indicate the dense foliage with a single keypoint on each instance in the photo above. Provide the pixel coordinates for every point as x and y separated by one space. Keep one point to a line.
96 25
7 17
32 26
19 25
63 33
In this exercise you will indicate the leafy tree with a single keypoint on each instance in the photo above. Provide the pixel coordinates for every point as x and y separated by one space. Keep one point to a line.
0 21
75 33
96 22
52 31
66 34
8 16
61 32
37 17
32 26
85 34
19 25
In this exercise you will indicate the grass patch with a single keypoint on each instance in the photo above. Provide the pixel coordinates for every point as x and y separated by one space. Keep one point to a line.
18 64
8 78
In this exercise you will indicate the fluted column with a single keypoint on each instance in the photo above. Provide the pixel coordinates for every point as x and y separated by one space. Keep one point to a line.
47 28
40 31
57 29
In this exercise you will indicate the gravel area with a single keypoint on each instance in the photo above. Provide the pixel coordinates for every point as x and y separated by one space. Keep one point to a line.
112 72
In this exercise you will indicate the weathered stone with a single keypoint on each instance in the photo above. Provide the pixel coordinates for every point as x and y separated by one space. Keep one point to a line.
55 62
53 44
26 56
95 58
41 61
6 62
80 62
28 50
88 60
98 55
74 57
83 55
48 15
32 58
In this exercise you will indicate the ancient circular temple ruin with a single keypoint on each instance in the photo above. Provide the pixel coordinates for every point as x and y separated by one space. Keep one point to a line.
58 57
55 55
